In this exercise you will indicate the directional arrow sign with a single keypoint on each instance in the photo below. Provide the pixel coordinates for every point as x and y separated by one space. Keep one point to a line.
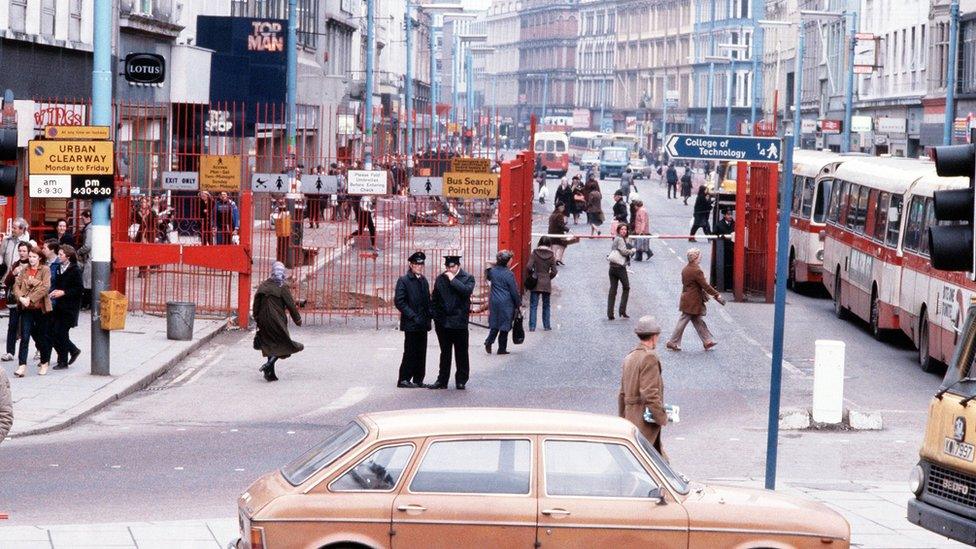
724 147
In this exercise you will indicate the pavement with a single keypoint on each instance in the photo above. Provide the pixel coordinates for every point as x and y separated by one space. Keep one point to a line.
875 511
138 355
221 425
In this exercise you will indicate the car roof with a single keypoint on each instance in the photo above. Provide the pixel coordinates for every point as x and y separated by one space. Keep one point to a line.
475 421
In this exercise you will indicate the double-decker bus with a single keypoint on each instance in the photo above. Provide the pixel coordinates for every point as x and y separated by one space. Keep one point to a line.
584 141
812 171
876 263
552 149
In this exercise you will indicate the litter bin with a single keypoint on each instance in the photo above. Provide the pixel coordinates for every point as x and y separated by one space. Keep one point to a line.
113 309
179 320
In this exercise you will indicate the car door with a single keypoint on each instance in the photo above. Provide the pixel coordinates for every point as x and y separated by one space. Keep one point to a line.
597 493
472 492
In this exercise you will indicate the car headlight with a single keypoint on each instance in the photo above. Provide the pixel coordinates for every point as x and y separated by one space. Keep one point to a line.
916 480
820 256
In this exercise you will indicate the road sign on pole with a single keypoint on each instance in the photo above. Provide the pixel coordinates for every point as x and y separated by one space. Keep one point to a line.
725 147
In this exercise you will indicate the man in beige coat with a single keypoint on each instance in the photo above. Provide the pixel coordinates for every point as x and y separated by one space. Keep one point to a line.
6 406
695 290
642 386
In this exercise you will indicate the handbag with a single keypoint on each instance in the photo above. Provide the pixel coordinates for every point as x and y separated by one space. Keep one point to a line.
616 258
531 278
133 231
518 330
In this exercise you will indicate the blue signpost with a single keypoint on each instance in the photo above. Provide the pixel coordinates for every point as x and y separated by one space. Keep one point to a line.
734 148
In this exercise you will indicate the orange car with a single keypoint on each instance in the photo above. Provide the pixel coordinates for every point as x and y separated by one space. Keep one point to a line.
499 478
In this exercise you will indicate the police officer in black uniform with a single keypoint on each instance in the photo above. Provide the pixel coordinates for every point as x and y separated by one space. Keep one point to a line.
451 305
412 299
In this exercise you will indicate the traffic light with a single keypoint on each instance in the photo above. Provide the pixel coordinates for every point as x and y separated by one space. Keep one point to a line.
8 152
951 245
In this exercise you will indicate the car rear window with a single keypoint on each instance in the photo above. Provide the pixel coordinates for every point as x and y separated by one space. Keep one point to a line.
323 454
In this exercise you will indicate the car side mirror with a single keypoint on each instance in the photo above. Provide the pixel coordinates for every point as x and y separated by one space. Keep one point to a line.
658 494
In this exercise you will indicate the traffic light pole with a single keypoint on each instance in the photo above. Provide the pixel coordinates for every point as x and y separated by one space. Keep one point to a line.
950 106
845 145
370 63
779 315
101 224
408 93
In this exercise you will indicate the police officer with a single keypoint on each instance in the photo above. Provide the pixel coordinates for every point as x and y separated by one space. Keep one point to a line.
412 299
451 304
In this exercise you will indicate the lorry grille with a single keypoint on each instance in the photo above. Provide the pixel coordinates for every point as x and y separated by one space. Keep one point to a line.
952 486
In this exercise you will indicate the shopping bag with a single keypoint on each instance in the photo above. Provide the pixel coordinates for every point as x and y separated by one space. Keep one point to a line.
518 330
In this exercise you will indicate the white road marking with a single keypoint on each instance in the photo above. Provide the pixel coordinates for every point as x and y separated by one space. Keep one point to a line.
790 367
733 439
181 377
239 469
289 432
198 375
53 465
899 442
353 395
233 430
116 467
177 468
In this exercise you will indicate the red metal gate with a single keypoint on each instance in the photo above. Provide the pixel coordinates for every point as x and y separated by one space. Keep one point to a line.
755 235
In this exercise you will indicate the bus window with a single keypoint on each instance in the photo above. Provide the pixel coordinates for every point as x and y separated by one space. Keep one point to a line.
560 146
540 146
923 245
550 146
862 210
881 215
836 198
824 187
797 193
807 205
871 213
894 220
848 208
913 228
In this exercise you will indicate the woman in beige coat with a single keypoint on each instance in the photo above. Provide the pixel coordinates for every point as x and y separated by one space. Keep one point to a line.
31 290
642 386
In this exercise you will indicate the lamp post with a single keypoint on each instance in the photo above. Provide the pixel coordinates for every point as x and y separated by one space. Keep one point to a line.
950 107
845 145
711 75
468 62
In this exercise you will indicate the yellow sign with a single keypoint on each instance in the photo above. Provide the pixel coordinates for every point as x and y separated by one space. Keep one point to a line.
219 173
77 132
71 158
482 165
470 185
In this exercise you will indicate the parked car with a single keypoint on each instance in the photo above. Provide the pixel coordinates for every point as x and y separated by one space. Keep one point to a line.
500 478
640 169
589 160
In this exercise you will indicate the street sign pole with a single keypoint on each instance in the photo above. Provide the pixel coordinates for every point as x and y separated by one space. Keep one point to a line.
101 224
779 315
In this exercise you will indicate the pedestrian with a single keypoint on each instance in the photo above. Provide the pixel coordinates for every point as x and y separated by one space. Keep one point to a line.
620 251
228 219
642 226
66 300
6 406
541 268
9 244
363 208
671 177
579 199
627 183
694 293
703 209
451 305
726 225
594 210
13 320
31 290
564 196
503 301
642 385
619 211
273 303
62 234
686 185
412 299
84 258
557 225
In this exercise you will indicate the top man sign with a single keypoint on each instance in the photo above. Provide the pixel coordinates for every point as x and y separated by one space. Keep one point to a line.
725 147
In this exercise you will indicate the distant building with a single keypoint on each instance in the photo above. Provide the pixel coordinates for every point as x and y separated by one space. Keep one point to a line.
595 62
547 60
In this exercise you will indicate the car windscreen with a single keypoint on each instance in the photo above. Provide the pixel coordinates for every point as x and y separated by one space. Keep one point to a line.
677 481
323 454
960 376
615 155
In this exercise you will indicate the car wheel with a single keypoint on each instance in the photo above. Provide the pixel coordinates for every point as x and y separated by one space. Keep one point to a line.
839 310
875 319
925 361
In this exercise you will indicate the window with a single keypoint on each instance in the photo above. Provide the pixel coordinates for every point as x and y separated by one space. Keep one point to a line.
923 244
797 193
560 146
380 470
676 480
325 453
881 216
836 198
871 213
916 221
824 186
894 220
18 15
475 467
848 205
862 210
74 21
595 469
48 10
307 15
807 205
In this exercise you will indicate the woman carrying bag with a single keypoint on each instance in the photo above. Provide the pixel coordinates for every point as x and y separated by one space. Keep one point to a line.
66 294
620 251
31 290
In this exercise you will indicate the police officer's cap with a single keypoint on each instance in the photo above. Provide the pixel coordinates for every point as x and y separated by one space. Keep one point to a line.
452 260
417 258
647 325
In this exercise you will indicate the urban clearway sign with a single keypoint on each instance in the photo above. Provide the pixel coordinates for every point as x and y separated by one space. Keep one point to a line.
724 147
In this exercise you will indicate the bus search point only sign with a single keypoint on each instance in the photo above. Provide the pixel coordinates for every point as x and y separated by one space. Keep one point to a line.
735 148
470 185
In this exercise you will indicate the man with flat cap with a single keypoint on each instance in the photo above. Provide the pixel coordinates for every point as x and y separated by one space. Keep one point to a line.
412 299
642 386
451 305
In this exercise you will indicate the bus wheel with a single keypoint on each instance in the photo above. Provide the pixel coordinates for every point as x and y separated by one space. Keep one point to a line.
926 362
791 277
875 320
839 310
